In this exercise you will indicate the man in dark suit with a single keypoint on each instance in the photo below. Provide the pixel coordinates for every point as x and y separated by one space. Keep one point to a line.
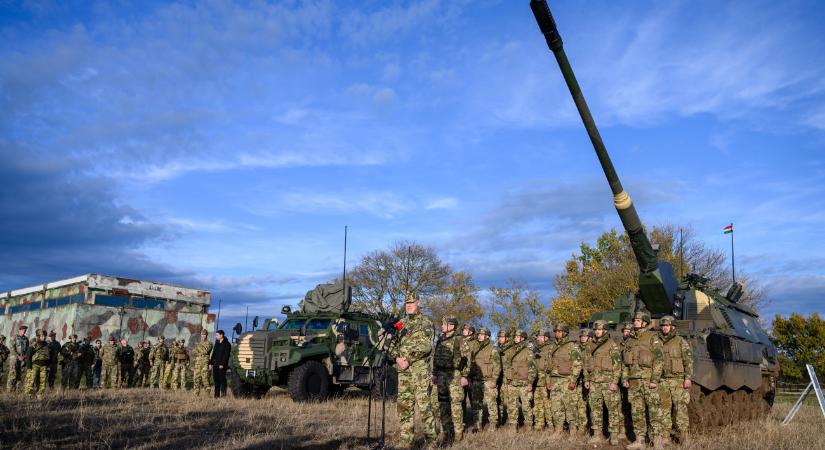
219 362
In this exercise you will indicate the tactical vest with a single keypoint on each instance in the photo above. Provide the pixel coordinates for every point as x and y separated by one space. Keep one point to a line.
674 366
40 353
560 357
518 368
445 353
21 345
543 358
483 364
639 350
600 360
160 353
71 350
180 354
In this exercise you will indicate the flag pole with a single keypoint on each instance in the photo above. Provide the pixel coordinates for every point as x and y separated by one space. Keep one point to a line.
732 257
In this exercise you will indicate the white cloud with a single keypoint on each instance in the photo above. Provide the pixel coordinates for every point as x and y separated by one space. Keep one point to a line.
443 203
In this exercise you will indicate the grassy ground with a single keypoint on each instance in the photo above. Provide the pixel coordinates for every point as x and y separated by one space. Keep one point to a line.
150 419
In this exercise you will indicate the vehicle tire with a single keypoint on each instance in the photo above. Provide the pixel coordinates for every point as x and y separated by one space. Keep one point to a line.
392 383
239 388
260 392
309 382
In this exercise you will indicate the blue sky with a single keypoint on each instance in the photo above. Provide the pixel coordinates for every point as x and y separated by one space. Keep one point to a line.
225 144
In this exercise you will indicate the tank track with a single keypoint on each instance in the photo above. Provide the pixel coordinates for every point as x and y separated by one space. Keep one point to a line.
709 410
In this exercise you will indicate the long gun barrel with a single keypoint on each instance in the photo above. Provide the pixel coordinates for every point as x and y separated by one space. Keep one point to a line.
656 286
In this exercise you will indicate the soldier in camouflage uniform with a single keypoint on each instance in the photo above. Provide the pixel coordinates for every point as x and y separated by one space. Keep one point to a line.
181 356
54 358
87 360
110 369
71 358
412 354
201 370
4 356
502 344
38 356
520 375
562 377
627 329
469 333
585 349
159 357
17 358
450 371
541 401
674 389
602 371
142 365
643 359
485 371
170 366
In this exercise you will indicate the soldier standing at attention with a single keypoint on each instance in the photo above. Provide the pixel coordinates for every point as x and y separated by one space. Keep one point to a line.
181 356
585 349
54 358
675 386
126 358
17 358
485 371
159 356
562 377
540 398
641 375
110 369
501 345
520 375
87 360
98 363
451 370
627 329
71 358
170 366
38 355
4 355
412 354
469 333
201 371
603 368
142 365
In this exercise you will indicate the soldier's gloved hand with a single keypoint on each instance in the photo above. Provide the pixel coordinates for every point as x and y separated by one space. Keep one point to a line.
464 382
652 385
587 385
626 384
688 384
571 386
613 387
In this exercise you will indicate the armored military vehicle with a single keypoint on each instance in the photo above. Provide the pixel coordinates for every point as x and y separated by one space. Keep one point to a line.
320 349
735 363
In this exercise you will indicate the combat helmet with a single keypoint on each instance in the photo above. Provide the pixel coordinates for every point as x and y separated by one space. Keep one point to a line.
600 325
642 315
502 333
521 333
472 329
562 327
667 320
484 331
450 320
627 326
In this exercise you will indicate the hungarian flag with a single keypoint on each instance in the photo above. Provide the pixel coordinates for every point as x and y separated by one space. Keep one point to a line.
728 229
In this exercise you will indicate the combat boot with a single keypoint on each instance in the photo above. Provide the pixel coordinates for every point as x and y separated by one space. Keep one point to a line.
638 445
614 441
459 435
660 442
558 430
442 439
596 439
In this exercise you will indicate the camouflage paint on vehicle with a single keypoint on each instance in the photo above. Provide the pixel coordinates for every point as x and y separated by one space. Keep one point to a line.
101 306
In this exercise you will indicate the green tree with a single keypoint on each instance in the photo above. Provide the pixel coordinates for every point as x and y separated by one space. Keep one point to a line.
800 340
460 299
516 306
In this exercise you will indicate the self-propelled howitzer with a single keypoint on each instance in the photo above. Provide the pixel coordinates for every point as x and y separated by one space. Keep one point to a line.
735 364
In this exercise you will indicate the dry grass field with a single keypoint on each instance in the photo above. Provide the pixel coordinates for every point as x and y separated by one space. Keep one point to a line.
148 419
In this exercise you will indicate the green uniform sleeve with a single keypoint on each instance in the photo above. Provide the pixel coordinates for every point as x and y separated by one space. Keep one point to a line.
496 358
625 374
532 370
687 359
616 358
418 343
465 359
585 355
576 364
658 359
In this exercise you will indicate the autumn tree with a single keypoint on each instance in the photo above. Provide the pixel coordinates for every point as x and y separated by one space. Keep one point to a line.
600 273
383 277
800 340
516 306
459 298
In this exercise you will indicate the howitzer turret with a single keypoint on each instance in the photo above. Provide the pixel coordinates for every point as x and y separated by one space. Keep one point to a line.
657 282
734 361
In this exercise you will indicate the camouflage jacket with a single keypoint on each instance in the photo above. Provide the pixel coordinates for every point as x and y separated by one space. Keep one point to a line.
452 353
603 363
485 362
565 361
543 359
19 346
38 353
71 351
4 355
643 357
160 353
519 365
203 351
415 340
678 357
109 354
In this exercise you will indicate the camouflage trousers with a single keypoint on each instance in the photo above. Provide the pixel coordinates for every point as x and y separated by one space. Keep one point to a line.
71 375
201 376
484 397
641 397
167 375
675 399
450 396
600 394
581 405
109 375
564 403
141 378
17 373
179 375
414 387
522 394
36 378
156 373
541 405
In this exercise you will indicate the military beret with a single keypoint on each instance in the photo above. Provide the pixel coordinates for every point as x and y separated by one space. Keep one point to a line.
600 325
667 320
562 327
484 331
642 315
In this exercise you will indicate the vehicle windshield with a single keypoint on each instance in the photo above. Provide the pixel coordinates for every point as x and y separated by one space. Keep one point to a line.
293 324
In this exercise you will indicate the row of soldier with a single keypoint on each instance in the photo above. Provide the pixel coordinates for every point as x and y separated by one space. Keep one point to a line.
35 365
552 382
